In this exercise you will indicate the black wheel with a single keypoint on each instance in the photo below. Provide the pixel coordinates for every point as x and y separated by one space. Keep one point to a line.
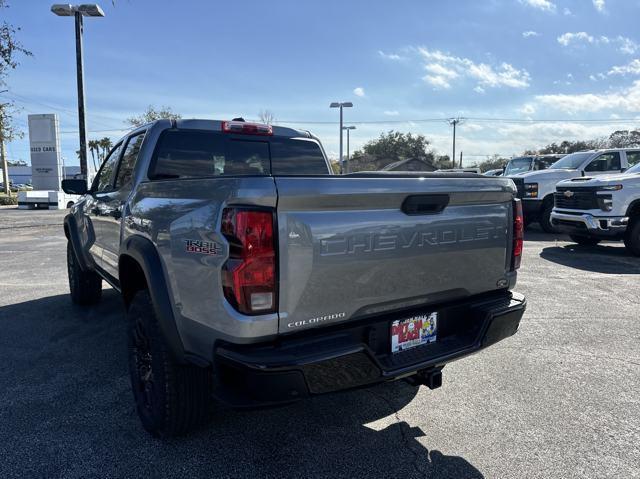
584 240
632 237
545 217
171 399
85 286
69 204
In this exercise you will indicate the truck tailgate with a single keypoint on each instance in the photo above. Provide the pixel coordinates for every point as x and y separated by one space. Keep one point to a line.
351 247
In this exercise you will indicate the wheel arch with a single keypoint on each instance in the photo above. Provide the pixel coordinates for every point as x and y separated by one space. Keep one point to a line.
139 265
634 209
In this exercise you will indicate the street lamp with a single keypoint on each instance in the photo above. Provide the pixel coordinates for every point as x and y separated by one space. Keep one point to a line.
79 11
341 105
348 129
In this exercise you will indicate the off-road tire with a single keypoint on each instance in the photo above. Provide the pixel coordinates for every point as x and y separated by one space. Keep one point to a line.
632 237
545 217
584 240
171 399
85 286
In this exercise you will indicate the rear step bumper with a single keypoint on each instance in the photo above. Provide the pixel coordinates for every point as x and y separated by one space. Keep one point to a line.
358 353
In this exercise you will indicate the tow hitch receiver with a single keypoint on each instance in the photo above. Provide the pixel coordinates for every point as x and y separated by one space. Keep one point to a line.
431 378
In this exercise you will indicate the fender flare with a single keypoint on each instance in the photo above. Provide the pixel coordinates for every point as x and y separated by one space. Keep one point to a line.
71 232
145 253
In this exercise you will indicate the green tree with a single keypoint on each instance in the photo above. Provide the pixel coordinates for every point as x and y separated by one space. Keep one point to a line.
493 163
390 147
10 48
153 114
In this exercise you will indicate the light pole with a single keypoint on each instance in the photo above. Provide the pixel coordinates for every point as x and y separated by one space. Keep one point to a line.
79 11
341 105
348 129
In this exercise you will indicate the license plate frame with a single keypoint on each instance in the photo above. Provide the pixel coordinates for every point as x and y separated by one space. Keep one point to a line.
414 331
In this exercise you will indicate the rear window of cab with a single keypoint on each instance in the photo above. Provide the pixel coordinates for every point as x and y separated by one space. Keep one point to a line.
200 153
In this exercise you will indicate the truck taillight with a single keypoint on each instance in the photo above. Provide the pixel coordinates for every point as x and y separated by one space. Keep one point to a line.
249 275
245 128
518 235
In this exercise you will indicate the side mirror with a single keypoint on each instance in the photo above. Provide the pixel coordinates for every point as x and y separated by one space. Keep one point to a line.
75 186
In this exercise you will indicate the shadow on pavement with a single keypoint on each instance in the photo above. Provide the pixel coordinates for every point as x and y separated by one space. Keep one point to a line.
598 259
67 410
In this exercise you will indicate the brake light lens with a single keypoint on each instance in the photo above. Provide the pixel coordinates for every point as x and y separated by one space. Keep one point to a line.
245 128
518 235
249 275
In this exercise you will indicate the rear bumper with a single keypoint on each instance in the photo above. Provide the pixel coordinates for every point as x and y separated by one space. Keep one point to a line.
589 225
358 354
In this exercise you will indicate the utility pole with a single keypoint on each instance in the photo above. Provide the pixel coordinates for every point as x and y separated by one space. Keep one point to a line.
454 122
341 105
460 158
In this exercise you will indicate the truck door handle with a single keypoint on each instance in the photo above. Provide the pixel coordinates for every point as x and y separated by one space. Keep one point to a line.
425 204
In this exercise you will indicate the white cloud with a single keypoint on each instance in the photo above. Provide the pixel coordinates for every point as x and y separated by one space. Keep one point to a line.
566 11
568 38
627 99
391 112
390 56
631 68
479 89
359 91
528 109
599 5
624 44
437 81
544 5
444 68
530 33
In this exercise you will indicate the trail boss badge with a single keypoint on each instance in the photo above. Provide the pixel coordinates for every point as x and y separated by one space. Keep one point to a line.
202 247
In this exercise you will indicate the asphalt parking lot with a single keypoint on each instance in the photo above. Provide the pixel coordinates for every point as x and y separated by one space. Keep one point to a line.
559 399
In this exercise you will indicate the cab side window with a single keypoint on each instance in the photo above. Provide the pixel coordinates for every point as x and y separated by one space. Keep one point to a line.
129 157
605 162
633 157
104 179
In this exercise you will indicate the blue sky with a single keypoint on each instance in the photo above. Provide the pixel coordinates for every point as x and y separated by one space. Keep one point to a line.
399 62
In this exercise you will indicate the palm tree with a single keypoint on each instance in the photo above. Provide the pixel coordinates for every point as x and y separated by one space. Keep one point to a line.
94 148
106 145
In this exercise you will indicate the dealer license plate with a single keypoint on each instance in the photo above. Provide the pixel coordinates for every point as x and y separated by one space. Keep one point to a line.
415 331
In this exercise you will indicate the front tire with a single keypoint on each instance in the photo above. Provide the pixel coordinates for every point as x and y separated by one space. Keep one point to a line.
85 286
545 218
584 240
632 237
171 399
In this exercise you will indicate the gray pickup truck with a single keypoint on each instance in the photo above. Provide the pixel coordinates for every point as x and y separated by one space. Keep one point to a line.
252 275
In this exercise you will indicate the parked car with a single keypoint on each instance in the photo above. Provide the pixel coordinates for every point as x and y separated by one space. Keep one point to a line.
524 164
496 172
250 273
537 188
605 207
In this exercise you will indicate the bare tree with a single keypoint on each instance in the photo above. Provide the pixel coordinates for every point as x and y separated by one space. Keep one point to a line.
153 114
267 117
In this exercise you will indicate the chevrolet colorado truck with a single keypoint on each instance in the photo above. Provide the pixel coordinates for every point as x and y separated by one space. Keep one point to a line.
537 188
591 209
252 275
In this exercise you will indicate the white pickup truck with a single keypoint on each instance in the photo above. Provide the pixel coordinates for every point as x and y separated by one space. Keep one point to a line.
606 207
537 188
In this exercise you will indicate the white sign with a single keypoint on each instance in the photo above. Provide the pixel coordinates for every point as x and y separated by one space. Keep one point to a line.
44 141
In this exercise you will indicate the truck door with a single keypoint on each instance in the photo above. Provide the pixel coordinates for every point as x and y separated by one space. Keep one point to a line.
114 201
604 164
94 208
